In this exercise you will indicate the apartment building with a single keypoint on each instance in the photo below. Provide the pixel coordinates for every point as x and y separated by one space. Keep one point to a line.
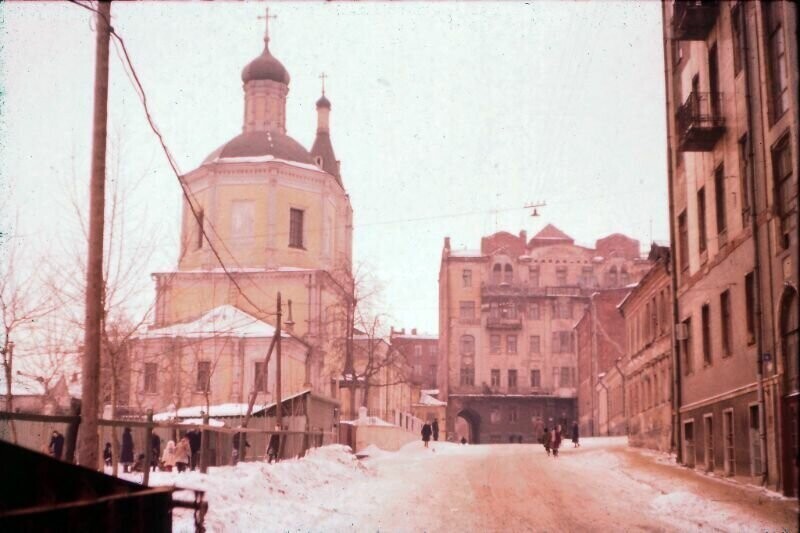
732 117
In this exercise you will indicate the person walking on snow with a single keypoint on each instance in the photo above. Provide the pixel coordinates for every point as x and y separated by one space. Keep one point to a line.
426 433
126 455
183 454
575 434
168 457
107 454
545 440
555 440
274 447
435 429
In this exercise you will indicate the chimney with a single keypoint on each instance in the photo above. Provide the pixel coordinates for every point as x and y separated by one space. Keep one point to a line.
447 243
413 331
523 236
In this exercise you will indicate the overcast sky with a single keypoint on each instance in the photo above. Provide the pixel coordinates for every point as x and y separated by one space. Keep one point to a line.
448 118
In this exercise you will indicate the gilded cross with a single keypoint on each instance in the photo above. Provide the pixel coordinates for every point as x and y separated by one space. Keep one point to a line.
322 77
266 18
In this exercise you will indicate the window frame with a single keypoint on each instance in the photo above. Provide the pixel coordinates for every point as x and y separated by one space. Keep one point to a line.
296 228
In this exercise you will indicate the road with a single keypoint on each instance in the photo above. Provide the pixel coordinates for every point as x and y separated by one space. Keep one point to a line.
602 486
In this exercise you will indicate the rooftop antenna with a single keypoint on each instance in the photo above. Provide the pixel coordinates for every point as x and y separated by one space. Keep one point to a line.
535 206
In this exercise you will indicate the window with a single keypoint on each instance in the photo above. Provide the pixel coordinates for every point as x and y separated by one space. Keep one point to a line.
777 59
534 311
683 241
744 179
432 370
624 277
508 310
497 274
790 333
653 318
535 344
511 344
467 345
562 342
564 309
556 372
725 322
467 375
200 220
750 306
512 379
494 343
561 276
150 377
536 378
296 228
513 413
713 79
701 219
466 310
433 350
203 376
417 351
611 277
738 29
466 278
533 276
242 215
495 377
417 371
688 360
719 200
705 323
508 276
786 200
260 377
587 277
566 377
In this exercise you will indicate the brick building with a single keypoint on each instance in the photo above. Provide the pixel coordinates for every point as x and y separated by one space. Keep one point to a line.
600 341
506 312
421 351
732 118
646 369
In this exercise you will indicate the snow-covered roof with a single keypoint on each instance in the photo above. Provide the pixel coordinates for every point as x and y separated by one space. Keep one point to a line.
199 422
425 399
262 159
220 410
419 336
222 320
466 253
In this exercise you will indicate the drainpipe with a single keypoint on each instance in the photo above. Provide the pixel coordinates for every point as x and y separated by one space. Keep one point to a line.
673 262
593 365
624 393
762 432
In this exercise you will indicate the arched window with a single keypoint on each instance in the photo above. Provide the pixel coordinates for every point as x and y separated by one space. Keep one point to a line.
509 274
497 273
467 345
789 340
611 277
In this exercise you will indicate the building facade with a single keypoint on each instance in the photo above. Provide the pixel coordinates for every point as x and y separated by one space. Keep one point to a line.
506 312
732 117
600 344
646 369
262 215
421 351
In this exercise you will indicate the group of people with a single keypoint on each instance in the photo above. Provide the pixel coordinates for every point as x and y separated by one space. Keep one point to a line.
428 430
178 456
551 439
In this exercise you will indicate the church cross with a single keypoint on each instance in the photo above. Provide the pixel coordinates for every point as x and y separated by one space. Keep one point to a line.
322 77
266 18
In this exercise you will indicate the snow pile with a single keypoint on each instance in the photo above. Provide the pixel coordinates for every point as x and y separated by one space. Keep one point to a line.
367 421
259 496
688 511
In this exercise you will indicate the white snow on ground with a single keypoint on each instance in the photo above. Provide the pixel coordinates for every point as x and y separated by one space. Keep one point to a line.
331 490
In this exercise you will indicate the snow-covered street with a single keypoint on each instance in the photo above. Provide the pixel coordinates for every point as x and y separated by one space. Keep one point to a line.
603 485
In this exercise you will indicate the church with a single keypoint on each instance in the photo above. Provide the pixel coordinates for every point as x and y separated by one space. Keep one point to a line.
261 215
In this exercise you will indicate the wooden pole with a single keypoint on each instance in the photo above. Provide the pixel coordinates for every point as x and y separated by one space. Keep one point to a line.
88 441
204 434
278 405
148 448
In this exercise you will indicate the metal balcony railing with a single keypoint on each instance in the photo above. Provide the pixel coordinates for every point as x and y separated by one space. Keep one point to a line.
693 20
503 323
700 122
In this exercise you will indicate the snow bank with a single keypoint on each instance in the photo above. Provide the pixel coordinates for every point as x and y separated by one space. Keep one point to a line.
290 495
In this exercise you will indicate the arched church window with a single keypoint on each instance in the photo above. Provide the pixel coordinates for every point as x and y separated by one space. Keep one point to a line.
497 273
789 340
508 277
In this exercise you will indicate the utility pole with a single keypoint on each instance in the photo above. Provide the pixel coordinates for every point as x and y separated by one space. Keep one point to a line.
278 405
88 441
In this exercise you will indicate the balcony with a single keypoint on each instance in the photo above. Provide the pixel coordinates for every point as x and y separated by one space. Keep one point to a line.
503 323
693 20
505 290
699 122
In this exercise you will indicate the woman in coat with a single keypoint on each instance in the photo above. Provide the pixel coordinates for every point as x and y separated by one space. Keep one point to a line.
555 440
426 433
126 455
545 439
183 454
168 457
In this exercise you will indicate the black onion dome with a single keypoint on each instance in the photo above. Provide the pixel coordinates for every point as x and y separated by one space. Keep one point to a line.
262 143
323 102
265 67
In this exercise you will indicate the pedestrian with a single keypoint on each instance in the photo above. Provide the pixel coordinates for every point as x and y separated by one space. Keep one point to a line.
575 434
138 465
107 454
463 440
194 447
183 454
274 447
435 429
155 446
426 433
545 440
168 457
235 452
555 440
126 455
56 447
